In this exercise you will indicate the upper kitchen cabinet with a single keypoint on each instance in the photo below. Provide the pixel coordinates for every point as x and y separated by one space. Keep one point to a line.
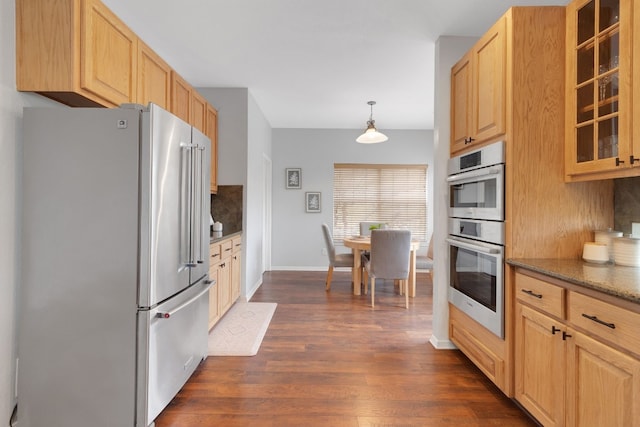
212 133
599 140
154 78
181 97
478 91
198 111
76 52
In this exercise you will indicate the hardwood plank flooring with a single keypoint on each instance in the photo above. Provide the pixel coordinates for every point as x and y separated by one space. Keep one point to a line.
329 359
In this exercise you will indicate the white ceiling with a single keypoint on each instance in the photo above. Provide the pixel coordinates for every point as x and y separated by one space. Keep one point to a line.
314 63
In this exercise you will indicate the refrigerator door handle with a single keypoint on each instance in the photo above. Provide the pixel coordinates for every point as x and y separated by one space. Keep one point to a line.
201 204
189 151
168 314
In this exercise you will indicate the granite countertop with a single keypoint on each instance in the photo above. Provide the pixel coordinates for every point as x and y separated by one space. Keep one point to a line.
216 236
616 280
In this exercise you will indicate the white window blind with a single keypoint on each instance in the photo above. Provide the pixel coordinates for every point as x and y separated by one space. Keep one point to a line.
394 194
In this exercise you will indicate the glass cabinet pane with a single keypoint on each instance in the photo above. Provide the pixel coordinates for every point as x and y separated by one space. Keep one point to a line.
585 65
584 138
608 138
586 22
609 13
585 98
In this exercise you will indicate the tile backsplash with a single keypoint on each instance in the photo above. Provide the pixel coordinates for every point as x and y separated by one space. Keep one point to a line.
626 203
226 207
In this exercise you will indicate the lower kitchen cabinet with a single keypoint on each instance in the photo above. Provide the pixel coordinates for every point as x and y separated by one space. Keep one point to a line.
224 267
576 357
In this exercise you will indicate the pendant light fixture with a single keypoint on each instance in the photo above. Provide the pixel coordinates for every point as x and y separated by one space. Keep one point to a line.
371 135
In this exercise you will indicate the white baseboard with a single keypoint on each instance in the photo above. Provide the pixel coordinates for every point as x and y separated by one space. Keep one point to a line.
253 290
439 344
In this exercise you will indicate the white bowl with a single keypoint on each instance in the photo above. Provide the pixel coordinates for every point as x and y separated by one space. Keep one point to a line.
595 252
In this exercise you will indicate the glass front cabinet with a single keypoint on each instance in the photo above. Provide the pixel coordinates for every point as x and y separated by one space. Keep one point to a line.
599 140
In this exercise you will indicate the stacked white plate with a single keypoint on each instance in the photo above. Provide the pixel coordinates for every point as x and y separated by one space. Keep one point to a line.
606 237
626 251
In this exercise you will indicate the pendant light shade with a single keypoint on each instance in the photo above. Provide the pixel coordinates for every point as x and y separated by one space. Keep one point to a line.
371 135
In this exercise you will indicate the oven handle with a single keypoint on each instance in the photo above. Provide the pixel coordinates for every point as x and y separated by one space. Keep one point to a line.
475 173
472 247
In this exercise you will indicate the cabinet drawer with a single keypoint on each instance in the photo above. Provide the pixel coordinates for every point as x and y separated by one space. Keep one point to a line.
214 254
237 244
614 324
540 294
226 247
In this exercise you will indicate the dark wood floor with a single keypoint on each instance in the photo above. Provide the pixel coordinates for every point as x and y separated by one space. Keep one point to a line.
329 359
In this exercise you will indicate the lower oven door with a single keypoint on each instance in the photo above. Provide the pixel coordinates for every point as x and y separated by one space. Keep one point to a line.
172 341
476 281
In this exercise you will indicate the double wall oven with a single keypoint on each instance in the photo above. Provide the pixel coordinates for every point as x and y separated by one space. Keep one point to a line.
476 235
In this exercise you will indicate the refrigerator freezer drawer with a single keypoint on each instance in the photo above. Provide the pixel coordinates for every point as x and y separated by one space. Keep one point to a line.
175 345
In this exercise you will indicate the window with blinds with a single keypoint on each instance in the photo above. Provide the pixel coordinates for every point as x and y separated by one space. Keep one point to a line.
394 194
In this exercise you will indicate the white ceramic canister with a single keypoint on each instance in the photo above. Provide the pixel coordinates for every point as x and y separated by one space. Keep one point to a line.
606 237
595 252
626 251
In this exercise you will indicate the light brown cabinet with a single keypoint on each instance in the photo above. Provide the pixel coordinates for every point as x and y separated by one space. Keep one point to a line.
76 52
236 270
212 132
225 267
198 111
576 357
154 78
599 136
478 91
533 130
180 97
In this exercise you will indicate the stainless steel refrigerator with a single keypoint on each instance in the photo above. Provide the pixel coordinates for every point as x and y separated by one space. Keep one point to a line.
115 247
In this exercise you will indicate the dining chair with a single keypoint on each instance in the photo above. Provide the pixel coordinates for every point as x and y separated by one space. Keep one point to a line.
335 260
365 227
425 262
389 259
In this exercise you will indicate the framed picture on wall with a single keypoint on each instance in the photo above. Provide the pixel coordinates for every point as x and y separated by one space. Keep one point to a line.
294 178
312 199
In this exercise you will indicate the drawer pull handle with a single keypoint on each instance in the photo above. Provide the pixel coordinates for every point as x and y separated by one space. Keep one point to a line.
533 294
602 322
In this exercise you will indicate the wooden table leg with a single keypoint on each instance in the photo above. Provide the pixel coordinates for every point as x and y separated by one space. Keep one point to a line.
355 274
412 275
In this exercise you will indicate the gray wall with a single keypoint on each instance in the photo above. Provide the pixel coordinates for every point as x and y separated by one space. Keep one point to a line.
297 239
244 139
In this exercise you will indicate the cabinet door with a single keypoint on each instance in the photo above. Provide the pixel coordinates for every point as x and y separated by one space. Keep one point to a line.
603 385
224 287
212 133
236 263
180 97
461 103
214 307
599 90
198 111
489 83
108 54
540 365
154 78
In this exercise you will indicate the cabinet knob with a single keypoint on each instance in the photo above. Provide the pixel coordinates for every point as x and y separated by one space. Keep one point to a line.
618 161
632 159
565 336
468 140
554 330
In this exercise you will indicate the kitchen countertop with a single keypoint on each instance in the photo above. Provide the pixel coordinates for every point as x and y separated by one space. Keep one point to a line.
619 281
217 236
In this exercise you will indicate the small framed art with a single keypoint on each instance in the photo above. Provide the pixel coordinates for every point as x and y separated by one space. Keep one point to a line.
312 201
294 178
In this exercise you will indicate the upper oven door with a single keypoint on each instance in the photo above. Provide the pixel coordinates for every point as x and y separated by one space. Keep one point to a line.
477 194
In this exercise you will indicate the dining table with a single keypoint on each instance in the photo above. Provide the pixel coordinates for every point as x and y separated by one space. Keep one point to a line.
359 244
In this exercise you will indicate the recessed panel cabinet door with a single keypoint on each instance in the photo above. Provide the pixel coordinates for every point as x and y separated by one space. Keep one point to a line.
154 78
489 85
461 103
603 384
109 54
